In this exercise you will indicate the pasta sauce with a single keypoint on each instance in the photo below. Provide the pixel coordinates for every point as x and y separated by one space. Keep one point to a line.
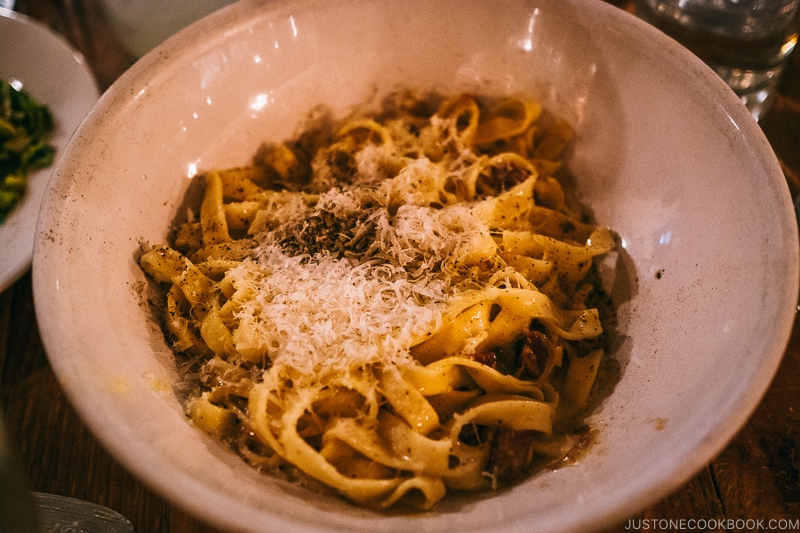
394 305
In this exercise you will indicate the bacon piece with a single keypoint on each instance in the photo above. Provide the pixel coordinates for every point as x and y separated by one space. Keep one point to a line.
533 356
511 454
488 358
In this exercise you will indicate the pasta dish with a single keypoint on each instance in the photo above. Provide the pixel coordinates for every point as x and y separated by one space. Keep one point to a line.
394 305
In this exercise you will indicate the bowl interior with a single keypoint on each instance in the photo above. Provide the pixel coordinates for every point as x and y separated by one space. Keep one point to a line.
665 155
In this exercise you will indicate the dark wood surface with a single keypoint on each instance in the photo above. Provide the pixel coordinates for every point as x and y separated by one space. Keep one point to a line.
757 477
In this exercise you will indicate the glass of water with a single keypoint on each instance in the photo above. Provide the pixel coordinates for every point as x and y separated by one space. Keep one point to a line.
747 42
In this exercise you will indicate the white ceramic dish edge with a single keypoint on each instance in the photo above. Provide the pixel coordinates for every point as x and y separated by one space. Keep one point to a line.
57 76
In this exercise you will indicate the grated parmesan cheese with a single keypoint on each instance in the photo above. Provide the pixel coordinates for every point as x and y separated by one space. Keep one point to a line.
327 312
318 311
359 277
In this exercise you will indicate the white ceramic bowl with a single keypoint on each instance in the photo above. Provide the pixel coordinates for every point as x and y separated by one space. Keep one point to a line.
706 281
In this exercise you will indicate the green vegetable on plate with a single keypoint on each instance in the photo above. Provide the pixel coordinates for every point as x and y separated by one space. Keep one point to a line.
25 125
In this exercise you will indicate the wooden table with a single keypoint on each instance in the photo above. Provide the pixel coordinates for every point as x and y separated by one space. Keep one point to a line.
756 477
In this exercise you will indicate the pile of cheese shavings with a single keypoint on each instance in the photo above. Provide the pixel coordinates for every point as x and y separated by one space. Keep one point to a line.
331 314
319 312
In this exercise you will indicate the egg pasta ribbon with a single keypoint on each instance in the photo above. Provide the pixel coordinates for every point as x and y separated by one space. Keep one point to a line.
395 305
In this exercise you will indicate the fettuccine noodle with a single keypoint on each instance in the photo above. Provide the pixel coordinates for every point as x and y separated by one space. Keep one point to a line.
394 305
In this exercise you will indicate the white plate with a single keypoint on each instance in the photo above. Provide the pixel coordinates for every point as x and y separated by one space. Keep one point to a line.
58 77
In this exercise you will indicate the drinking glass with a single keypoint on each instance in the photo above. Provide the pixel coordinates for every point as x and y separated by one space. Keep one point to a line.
747 42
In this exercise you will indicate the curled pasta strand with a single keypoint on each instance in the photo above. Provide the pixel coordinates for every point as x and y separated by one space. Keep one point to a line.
408 401
212 211
506 119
